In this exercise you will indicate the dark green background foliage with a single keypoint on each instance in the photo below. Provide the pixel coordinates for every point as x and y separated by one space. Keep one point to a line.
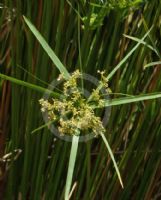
89 36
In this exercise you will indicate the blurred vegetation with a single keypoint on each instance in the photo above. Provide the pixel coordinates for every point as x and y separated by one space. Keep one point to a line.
85 35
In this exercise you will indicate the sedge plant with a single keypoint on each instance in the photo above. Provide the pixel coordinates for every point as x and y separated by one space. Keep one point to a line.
130 125
72 127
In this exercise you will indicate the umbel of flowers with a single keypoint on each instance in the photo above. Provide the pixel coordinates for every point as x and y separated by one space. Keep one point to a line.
73 111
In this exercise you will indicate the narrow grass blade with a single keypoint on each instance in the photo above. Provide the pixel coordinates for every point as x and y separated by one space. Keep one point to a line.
47 48
112 157
127 56
72 160
142 42
98 5
77 12
126 100
28 85
152 64
32 75
43 126
123 60
150 36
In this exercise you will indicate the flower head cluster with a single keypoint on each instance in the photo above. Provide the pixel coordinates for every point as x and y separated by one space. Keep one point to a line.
73 111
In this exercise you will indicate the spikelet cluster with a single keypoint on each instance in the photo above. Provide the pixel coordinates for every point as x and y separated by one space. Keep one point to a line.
73 111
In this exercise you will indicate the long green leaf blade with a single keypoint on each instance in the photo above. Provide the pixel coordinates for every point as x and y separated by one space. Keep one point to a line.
126 100
28 85
112 157
127 56
152 64
47 48
123 61
142 42
72 160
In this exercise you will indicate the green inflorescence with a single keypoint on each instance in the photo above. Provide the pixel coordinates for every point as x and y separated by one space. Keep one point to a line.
73 111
